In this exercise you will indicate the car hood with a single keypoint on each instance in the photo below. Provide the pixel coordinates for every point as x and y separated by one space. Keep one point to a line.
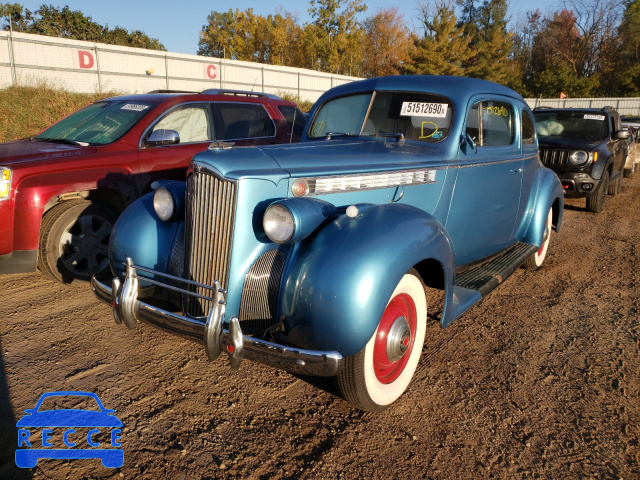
27 151
69 418
568 143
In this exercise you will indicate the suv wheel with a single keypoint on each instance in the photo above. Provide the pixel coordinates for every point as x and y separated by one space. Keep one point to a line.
595 203
629 173
74 240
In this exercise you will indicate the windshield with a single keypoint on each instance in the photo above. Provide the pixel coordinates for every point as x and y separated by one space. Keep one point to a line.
573 125
100 123
417 116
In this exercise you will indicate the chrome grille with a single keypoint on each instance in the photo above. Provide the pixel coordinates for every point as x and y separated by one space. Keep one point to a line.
210 213
554 157
260 292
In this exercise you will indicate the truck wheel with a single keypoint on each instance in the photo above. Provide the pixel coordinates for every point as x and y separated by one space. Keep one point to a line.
534 262
376 376
74 240
595 203
614 188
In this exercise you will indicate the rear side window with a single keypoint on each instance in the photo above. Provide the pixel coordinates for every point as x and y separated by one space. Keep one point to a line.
294 117
245 120
528 130
490 124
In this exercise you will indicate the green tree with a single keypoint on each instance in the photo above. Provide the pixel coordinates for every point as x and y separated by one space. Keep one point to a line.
444 47
335 35
628 78
66 23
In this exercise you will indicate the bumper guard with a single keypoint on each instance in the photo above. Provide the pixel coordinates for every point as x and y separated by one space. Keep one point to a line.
128 309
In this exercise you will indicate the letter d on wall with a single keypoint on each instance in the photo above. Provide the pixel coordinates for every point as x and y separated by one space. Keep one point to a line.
86 59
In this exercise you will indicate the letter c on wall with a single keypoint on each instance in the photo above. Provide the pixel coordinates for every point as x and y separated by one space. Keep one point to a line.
86 59
211 72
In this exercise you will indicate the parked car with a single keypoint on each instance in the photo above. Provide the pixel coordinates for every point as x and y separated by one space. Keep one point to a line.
314 257
587 148
633 149
62 190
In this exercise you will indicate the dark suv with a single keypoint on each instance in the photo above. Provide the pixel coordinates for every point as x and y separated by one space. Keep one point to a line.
586 147
62 189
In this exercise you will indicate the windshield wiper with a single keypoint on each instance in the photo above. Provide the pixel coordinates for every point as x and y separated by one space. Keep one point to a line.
339 134
65 141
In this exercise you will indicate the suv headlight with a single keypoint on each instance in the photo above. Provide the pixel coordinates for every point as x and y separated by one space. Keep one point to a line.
164 204
278 223
579 157
5 183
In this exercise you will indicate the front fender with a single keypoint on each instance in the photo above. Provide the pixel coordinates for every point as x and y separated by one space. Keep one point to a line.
140 234
340 279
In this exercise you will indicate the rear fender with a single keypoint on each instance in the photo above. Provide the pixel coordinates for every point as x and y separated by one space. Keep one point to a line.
340 279
548 195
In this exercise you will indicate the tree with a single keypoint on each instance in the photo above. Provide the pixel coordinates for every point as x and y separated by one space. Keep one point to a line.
67 23
386 45
628 83
491 43
335 34
444 46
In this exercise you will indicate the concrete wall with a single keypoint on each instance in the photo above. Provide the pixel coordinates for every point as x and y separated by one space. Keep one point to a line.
94 67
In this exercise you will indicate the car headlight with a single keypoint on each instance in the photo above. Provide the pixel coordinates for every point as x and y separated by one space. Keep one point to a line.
278 223
164 204
5 183
579 157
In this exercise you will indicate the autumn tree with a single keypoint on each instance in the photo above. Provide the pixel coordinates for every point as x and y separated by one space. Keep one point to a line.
386 45
444 47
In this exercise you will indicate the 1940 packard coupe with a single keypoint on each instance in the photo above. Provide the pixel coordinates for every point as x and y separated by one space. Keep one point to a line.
314 257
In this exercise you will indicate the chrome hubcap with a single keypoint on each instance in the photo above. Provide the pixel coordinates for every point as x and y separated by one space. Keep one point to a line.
399 339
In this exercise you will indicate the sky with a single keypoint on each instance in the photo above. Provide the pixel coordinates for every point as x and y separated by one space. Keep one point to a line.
178 28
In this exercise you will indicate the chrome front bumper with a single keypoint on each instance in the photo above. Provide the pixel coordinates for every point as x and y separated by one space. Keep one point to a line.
128 309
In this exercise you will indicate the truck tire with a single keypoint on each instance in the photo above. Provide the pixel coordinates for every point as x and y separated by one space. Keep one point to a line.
74 240
595 203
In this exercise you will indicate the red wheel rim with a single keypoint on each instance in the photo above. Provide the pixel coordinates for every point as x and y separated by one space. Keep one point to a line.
545 237
400 307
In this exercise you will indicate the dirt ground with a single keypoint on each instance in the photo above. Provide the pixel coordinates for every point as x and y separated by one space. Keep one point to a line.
539 380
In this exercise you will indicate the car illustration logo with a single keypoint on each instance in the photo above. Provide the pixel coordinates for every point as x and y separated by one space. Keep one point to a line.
84 432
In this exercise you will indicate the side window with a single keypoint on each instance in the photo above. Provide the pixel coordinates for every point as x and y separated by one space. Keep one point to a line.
490 124
245 120
192 122
294 117
528 130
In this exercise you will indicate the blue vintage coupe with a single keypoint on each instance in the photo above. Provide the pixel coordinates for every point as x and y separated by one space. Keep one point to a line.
314 257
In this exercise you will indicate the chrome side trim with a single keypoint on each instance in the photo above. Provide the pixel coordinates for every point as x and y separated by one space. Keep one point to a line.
129 310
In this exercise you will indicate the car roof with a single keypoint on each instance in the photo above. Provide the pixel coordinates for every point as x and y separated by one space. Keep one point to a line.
159 96
448 86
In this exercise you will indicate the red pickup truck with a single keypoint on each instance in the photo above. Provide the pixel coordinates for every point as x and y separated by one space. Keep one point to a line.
62 190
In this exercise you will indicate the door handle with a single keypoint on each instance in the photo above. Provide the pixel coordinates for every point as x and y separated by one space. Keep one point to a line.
519 170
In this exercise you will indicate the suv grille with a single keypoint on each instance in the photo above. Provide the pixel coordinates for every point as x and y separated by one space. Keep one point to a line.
210 213
554 157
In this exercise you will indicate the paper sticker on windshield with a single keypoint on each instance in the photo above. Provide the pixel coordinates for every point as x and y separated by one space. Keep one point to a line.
136 107
594 117
424 109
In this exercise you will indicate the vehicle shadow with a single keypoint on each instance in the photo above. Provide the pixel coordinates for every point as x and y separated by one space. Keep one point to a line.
8 438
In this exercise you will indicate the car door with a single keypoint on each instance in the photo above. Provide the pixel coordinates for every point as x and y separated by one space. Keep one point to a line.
486 195
193 123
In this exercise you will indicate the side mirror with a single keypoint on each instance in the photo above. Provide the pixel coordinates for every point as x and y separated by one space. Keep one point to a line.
622 134
163 137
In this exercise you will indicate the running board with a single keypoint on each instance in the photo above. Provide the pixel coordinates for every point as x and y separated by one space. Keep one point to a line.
488 275
475 281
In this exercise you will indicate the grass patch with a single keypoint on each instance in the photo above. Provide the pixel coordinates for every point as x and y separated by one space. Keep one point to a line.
25 111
